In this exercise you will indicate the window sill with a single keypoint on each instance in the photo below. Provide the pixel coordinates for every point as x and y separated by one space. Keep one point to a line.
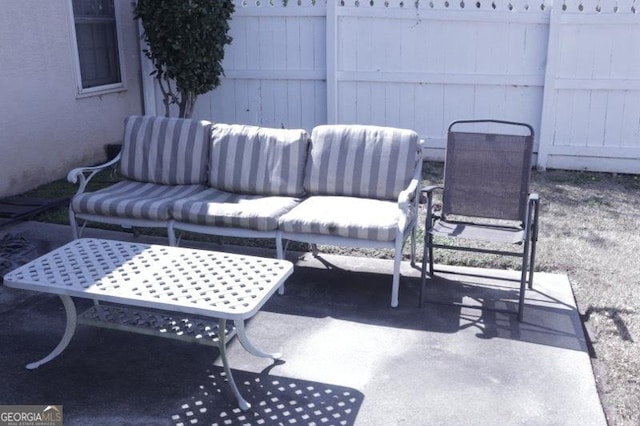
101 90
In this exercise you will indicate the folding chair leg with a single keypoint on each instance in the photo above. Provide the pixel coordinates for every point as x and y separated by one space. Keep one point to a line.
431 271
427 256
532 262
523 288
523 278
534 241
423 276
413 247
533 257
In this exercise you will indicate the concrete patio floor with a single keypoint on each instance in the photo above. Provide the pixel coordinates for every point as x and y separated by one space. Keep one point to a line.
348 358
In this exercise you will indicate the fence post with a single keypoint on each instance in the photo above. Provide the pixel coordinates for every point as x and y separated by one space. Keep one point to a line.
331 61
547 121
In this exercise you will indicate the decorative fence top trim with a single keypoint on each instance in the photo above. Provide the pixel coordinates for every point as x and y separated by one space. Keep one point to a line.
571 6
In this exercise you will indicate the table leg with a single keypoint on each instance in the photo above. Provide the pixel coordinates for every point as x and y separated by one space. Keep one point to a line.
249 347
222 324
72 320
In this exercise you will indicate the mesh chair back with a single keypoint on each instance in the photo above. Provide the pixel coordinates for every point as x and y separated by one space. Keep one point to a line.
487 174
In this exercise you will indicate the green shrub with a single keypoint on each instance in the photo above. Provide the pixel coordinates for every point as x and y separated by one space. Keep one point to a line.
186 40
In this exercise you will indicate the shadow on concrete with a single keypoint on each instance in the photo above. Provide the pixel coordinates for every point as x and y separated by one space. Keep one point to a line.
447 363
274 400
107 371
455 299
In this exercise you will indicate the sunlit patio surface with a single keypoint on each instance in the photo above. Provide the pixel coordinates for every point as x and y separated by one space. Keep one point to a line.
348 358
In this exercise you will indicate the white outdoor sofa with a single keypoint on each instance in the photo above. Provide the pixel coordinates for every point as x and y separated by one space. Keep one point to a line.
347 185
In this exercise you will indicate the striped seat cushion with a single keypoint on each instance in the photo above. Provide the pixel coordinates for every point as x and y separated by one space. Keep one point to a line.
133 200
254 160
350 217
218 208
172 151
361 161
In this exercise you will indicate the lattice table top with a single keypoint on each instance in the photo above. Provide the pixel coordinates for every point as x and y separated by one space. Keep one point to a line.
186 280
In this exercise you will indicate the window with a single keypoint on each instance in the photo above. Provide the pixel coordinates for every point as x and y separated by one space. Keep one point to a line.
97 44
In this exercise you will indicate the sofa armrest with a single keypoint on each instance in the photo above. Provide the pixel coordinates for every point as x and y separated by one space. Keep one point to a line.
82 175
409 198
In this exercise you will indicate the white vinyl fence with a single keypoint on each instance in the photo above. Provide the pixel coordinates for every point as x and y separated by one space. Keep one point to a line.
591 107
571 69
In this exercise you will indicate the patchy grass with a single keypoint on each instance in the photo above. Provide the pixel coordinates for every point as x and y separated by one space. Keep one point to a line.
589 230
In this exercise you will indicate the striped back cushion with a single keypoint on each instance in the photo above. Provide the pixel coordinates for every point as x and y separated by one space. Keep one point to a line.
255 160
361 161
170 151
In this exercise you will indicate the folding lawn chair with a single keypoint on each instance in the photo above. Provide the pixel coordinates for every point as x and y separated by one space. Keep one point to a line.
485 196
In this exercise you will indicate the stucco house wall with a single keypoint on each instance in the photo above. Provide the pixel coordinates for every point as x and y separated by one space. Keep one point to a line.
46 127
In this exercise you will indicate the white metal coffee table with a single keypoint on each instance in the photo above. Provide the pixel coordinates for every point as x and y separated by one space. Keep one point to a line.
210 287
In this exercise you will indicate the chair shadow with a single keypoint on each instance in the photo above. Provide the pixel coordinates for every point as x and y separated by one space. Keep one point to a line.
273 399
452 303
489 304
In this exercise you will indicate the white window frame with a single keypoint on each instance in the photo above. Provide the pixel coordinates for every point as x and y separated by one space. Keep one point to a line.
107 88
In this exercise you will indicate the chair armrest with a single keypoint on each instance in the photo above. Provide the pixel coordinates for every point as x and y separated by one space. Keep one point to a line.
411 193
82 175
426 194
429 189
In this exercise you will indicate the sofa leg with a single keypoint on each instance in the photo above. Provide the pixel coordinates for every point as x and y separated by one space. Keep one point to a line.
395 286
74 225
171 234
279 249
280 255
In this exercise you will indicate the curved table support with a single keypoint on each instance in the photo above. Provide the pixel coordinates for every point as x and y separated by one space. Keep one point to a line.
72 321
249 347
244 405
